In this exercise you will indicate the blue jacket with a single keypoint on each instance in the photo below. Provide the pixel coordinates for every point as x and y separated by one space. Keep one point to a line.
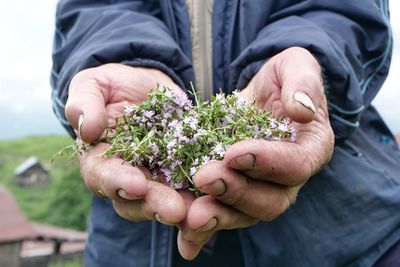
346 215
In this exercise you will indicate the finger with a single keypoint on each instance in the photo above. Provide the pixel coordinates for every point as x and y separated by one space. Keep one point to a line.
206 216
160 203
187 249
111 176
134 197
302 87
279 162
85 108
257 199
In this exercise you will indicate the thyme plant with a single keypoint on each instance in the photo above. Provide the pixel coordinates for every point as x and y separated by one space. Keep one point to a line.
173 138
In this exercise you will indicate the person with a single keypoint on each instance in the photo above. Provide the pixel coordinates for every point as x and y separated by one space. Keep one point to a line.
329 199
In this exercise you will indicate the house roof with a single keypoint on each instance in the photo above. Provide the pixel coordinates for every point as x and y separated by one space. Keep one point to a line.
13 224
71 241
51 232
43 248
26 165
15 227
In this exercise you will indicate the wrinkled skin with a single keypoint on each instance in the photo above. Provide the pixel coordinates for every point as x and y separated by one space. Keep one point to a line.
257 180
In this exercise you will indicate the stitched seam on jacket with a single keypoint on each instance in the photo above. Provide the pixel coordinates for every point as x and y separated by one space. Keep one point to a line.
383 10
225 43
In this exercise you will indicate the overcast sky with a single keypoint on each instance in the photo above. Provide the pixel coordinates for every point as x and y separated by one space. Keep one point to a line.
26 30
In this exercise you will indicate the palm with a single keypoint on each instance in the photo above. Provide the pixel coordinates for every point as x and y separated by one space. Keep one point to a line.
127 85
99 95
273 87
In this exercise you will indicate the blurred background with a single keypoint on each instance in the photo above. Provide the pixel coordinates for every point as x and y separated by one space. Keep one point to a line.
30 186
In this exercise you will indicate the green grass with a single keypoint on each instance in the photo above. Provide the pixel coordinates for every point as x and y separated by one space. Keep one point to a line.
65 201
71 263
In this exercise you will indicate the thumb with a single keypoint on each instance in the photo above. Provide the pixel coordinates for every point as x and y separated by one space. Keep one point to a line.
302 88
85 108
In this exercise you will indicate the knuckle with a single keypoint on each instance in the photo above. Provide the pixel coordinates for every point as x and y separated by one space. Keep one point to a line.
194 238
120 209
101 179
236 198
88 177
128 211
300 172
278 207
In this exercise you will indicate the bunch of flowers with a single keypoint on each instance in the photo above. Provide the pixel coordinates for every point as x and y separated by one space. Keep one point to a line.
174 138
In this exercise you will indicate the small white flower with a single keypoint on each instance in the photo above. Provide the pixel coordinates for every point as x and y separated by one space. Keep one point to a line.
205 159
148 113
193 171
219 150
128 109
283 127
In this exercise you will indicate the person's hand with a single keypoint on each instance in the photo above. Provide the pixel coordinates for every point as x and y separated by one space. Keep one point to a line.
258 179
96 98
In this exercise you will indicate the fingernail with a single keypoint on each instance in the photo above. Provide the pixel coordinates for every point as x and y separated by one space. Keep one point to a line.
158 219
304 100
100 192
76 133
80 122
215 188
125 195
244 162
210 225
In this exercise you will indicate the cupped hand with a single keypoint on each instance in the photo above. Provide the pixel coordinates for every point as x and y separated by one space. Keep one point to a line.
259 179
96 98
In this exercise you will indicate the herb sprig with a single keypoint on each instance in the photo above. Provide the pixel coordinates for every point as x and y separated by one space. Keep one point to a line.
174 138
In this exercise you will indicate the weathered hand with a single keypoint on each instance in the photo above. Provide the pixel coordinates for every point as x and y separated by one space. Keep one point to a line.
96 97
206 215
260 179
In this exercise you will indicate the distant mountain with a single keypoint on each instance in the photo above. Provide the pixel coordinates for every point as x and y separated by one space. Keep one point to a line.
40 122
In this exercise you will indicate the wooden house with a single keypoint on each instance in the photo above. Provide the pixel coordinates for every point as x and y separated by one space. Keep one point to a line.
31 173
24 244
14 228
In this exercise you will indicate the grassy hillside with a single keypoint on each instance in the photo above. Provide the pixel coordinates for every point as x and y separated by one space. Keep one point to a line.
65 201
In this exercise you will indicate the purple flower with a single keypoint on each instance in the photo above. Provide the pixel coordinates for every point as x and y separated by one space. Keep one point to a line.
205 159
148 113
220 97
128 109
172 143
283 127
182 101
293 135
128 138
154 175
219 150
167 174
180 185
193 171
173 124
169 94
273 123
154 148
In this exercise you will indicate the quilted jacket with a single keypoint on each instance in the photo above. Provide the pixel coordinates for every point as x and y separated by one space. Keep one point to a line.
347 214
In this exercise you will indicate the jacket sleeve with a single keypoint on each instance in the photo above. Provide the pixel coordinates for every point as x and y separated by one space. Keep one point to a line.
94 32
351 40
